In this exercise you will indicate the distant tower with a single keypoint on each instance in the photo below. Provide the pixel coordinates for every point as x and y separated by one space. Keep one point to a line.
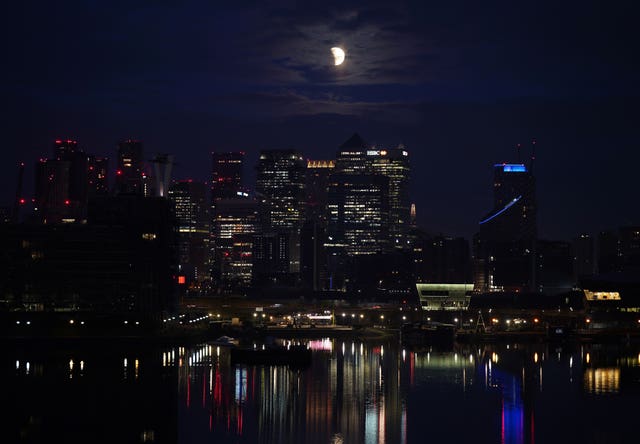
313 259
280 185
505 247
583 256
129 169
280 189
162 165
62 184
52 190
352 156
356 157
226 185
235 226
393 163
226 175
98 175
192 217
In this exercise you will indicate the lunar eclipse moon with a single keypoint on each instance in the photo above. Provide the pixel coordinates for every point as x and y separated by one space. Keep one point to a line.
338 55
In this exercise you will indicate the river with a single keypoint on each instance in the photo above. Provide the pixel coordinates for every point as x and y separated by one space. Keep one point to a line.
353 392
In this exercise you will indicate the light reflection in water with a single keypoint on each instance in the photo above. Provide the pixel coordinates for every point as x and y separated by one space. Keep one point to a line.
365 393
602 380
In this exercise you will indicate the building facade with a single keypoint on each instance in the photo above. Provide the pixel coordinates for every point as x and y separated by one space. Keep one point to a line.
505 247
130 168
280 190
189 199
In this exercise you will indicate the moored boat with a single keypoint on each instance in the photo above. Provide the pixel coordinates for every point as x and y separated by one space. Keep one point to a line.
273 355
227 341
427 333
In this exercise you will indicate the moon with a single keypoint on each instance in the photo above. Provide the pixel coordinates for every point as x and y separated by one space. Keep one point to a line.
338 55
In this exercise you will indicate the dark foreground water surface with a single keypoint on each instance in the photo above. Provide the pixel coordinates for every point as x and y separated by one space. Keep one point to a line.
354 392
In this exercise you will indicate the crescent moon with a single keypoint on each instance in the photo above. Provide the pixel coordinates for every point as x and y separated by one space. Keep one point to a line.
338 55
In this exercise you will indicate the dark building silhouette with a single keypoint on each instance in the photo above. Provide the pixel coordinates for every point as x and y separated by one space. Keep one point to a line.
226 175
607 252
506 243
555 267
120 262
98 176
583 256
441 259
62 184
313 260
68 151
130 168
5 215
629 250
52 191
618 250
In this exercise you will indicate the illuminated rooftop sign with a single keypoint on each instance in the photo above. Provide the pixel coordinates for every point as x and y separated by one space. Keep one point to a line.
512 167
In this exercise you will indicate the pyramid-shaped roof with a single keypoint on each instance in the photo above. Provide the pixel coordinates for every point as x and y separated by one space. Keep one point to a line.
354 142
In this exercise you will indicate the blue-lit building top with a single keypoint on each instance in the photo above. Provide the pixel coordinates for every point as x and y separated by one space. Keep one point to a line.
511 167
505 245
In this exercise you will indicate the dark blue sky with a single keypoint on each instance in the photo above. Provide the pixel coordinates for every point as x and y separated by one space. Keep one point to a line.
459 83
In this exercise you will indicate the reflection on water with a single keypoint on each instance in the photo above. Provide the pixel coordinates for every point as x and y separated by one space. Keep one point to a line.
353 392
602 380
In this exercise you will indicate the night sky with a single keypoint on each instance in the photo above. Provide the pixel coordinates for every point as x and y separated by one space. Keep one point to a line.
459 83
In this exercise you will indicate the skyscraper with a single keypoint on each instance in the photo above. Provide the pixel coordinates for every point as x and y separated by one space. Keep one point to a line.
235 226
358 221
162 167
583 256
352 156
369 207
226 175
358 208
98 175
192 218
506 244
280 189
394 164
52 190
313 259
356 157
62 184
280 185
226 186
130 168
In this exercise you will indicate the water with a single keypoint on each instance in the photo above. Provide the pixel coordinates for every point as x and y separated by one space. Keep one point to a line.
354 392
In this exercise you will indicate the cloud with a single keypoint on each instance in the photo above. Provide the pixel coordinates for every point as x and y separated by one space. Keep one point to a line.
381 48
292 103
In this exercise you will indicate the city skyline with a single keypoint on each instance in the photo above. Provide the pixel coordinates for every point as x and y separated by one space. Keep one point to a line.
460 86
